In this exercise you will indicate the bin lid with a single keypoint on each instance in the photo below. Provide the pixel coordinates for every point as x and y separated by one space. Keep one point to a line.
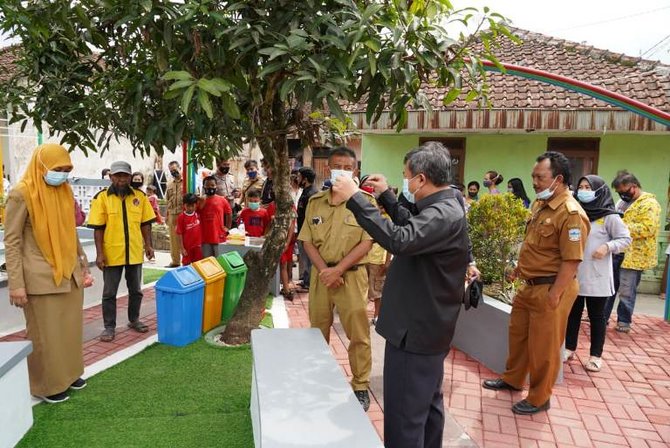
183 279
234 259
209 269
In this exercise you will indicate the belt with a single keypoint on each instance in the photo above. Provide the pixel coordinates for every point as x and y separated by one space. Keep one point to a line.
353 268
540 280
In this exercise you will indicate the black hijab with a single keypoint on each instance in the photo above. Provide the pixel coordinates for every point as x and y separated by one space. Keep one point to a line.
603 204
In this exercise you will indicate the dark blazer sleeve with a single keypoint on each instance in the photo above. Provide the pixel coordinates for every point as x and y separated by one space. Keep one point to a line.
398 213
419 235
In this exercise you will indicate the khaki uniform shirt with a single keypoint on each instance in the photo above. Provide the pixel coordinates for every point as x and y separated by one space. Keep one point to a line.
556 232
332 229
225 184
174 197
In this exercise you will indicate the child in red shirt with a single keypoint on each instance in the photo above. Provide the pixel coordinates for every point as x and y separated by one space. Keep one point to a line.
215 218
189 237
255 218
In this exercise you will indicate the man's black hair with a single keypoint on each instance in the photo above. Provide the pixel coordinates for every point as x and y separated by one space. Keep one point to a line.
341 151
475 183
431 159
559 164
308 173
624 177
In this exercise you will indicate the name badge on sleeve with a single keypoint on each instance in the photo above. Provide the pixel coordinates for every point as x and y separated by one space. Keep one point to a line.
575 234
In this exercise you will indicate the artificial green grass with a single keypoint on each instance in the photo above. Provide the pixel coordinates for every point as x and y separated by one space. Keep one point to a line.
152 275
193 396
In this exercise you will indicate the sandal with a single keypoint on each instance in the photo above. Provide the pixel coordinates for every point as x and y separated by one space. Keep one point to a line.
288 295
138 326
623 328
107 335
594 364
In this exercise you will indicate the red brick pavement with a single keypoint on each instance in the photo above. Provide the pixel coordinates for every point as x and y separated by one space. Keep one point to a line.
627 404
94 350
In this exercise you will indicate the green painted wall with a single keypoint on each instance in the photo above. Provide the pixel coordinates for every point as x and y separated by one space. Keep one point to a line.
513 155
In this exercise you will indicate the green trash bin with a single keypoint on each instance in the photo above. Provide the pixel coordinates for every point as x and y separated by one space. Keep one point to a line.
236 276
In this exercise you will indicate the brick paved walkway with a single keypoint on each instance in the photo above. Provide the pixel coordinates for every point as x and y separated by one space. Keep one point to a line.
627 404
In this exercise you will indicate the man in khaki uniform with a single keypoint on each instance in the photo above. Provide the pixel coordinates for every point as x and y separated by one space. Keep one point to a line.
550 255
337 247
174 196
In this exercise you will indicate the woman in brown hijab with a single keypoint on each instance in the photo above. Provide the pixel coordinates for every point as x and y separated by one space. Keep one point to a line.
46 267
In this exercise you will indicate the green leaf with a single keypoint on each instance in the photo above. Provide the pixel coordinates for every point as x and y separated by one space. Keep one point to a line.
286 88
180 75
451 96
209 87
205 103
230 106
373 45
373 63
271 68
472 95
181 84
186 99
334 107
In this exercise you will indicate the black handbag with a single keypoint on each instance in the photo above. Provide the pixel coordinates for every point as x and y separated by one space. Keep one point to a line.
473 294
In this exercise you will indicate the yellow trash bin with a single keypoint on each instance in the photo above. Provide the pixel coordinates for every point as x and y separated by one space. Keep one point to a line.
215 278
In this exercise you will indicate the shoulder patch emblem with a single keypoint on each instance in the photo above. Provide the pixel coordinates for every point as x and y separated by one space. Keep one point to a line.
574 234
136 202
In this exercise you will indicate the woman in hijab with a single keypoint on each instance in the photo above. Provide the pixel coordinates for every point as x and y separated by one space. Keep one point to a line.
47 270
608 235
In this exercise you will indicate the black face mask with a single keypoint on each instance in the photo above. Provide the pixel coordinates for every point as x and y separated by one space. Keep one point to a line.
174 173
626 197
472 194
136 185
224 169
210 191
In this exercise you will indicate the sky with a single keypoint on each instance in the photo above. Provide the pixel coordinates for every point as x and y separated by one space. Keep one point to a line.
632 27
635 28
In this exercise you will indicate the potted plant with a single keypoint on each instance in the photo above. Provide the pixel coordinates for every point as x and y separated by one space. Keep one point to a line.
496 227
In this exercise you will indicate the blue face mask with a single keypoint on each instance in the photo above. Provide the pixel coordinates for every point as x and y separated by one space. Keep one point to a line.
334 174
405 190
547 192
586 196
254 205
56 178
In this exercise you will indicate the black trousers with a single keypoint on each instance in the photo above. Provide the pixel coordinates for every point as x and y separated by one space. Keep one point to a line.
112 277
596 309
413 406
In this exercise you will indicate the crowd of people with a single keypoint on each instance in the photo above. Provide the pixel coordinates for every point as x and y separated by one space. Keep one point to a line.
356 241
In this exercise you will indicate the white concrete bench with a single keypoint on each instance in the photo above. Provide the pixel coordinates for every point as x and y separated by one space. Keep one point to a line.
16 412
300 397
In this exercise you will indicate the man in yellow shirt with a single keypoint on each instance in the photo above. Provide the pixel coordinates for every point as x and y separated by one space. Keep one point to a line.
642 216
121 217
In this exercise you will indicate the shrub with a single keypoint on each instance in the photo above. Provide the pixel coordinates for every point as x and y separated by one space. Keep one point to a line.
497 226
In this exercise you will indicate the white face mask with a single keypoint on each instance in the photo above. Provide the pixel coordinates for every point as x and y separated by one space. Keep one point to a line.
547 192
334 174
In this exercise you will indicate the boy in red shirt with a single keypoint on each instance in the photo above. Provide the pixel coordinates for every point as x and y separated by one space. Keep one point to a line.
189 236
215 218
255 218
286 260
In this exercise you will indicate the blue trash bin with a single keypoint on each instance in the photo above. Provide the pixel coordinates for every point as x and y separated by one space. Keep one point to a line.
179 301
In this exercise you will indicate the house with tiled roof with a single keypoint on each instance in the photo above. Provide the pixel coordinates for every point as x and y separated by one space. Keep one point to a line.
527 117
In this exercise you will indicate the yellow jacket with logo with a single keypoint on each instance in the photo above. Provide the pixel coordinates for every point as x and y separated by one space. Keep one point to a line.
121 220
643 219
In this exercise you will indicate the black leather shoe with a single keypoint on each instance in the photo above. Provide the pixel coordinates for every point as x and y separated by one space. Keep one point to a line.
498 384
523 407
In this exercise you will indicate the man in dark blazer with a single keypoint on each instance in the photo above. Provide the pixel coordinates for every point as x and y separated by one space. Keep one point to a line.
423 291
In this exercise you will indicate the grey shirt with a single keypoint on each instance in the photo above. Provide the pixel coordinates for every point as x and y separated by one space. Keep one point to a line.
596 278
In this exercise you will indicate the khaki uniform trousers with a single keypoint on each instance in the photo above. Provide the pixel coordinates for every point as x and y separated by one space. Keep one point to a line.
175 250
351 303
536 335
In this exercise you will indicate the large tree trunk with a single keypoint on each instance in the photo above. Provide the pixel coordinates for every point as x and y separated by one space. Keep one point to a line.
263 265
